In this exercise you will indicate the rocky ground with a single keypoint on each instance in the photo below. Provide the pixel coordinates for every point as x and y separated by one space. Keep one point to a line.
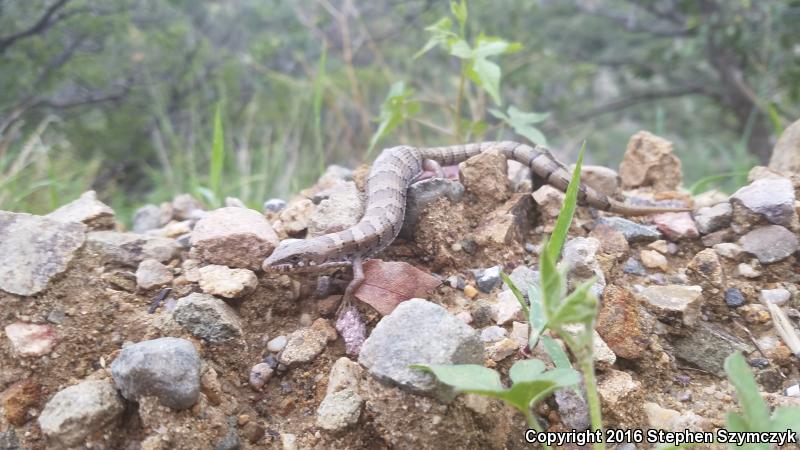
172 337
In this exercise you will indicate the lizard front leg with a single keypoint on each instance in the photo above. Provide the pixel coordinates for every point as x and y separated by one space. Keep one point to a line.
358 280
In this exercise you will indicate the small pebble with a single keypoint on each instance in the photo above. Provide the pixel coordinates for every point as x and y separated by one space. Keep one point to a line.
274 204
777 297
734 298
470 291
747 271
493 333
488 279
277 344
654 260
759 362
259 375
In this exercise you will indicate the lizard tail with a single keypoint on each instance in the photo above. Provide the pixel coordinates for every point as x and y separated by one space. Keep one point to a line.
630 210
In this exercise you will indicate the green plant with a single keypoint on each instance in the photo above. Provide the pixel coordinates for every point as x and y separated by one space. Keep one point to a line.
476 68
530 382
550 307
755 415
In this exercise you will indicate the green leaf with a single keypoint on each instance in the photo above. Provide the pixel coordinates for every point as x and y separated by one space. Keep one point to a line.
579 307
460 49
523 394
217 154
537 318
492 46
465 377
395 109
486 75
755 413
526 370
785 418
440 34
520 298
564 220
557 354
521 122
459 10
551 281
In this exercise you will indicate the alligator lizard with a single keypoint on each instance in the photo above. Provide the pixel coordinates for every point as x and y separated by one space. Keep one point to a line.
391 175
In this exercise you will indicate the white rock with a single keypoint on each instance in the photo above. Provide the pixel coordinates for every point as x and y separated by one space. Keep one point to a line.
80 410
506 309
277 344
225 282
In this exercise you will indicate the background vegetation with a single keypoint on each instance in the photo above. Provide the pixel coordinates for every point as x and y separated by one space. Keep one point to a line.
121 95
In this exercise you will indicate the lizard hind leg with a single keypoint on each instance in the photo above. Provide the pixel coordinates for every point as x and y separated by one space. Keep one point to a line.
429 165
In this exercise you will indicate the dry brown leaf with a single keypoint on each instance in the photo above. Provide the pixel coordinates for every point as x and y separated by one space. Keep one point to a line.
387 284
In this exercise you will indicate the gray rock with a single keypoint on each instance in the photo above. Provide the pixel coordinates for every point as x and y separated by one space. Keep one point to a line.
634 267
713 218
129 249
728 250
422 194
233 202
148 217
274 205
34 249
786 153
734 298
207 317
523 277
600 178
707 347
339 410
674 302
152 273
632 231
345 374
167 368
580 256
771 198
487 279
493 333
771 243
234 237
341 210
80 410
9 441
229 442
779 296
186 207
573 409
88 210
303 346
419 332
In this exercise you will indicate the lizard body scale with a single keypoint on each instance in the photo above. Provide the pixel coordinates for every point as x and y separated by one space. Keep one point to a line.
389 178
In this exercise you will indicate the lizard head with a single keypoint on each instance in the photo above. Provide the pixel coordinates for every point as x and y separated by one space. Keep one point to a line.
295 255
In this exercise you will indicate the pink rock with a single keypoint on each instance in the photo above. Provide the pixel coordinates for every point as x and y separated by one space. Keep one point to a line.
676 226
29 339
234 237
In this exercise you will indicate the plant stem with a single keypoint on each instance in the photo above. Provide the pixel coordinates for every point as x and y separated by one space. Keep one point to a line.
534 424
459 98
590 383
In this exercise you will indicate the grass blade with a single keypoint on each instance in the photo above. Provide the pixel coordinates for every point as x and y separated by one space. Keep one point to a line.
559 235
